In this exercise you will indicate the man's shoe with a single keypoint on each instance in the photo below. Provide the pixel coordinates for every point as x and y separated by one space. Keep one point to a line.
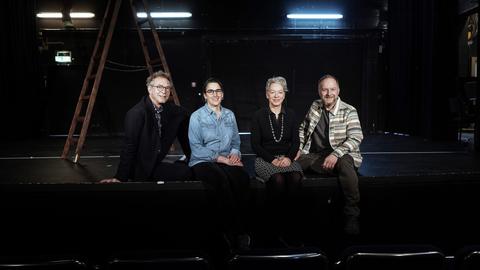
243 241
352 226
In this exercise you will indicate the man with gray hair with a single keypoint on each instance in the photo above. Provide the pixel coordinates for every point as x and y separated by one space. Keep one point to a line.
330 136
151 127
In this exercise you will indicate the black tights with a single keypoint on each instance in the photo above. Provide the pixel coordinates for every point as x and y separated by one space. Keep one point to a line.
283 201
282 188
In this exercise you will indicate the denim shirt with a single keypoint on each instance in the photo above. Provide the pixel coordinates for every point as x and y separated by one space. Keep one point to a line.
211 137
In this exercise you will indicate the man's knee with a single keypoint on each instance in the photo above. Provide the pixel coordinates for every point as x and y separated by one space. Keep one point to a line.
304 162
345 163
311 161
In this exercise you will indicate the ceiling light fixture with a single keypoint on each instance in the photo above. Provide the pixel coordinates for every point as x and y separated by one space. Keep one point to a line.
58 15
49 15
328 16
82 15
165 14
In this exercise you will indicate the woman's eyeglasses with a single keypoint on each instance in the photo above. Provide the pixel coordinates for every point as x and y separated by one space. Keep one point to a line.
214 91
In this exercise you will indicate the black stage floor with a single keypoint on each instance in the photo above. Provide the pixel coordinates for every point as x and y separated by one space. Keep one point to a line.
38 161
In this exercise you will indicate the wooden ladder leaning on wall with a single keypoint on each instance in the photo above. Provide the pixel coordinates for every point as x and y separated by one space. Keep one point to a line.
93 77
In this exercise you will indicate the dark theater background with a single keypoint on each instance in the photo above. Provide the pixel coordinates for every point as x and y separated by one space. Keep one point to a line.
408 66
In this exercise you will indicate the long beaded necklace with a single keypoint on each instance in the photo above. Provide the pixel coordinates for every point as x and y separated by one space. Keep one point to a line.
273 131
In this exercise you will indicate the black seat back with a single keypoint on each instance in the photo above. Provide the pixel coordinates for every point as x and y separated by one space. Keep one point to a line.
279 259
411 257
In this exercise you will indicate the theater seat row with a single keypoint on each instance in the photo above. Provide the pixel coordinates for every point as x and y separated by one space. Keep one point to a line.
372 257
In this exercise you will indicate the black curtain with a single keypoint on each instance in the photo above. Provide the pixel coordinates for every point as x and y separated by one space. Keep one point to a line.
20 83
422 67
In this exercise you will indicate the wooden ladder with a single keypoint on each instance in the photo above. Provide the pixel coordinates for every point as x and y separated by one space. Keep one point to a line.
93 77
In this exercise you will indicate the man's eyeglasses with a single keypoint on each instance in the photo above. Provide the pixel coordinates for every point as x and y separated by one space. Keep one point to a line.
214 91
161 88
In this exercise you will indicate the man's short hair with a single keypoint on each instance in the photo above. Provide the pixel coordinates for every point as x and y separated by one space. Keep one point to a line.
157 74
278 79
328 76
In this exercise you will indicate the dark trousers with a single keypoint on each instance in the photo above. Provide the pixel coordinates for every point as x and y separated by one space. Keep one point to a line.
347 177
164 171
227 190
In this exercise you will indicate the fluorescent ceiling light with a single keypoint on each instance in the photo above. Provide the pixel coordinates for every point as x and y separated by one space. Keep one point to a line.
334 16
165 14
81 15
58 15
49 15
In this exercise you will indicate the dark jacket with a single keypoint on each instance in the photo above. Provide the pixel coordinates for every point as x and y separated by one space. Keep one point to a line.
143 147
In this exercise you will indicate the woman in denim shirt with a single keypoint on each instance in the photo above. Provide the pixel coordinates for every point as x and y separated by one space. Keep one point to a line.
216 161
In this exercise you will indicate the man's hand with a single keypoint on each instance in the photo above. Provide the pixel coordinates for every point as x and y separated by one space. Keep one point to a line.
329 162
110 180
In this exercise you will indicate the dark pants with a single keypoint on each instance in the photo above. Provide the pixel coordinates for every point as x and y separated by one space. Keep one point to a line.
347 176
171 172
228 193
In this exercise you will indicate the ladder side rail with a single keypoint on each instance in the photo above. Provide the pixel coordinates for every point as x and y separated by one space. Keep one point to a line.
98 79
160 50
143 43
78 108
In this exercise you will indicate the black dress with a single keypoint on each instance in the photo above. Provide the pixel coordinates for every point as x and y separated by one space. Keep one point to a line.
272 138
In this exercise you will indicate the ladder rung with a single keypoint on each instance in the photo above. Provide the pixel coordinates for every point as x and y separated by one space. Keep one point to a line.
80 118
87 97
155 61
92 77
74 140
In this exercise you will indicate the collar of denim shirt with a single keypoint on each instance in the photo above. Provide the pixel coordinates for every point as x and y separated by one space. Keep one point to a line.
223 113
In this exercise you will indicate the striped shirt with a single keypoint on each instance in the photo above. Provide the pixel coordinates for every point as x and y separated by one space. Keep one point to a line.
345 132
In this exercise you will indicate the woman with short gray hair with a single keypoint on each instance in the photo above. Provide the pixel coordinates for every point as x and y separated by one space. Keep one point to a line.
275 141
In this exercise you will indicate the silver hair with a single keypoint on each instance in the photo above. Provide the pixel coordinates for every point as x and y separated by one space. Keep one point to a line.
278 79
157 74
